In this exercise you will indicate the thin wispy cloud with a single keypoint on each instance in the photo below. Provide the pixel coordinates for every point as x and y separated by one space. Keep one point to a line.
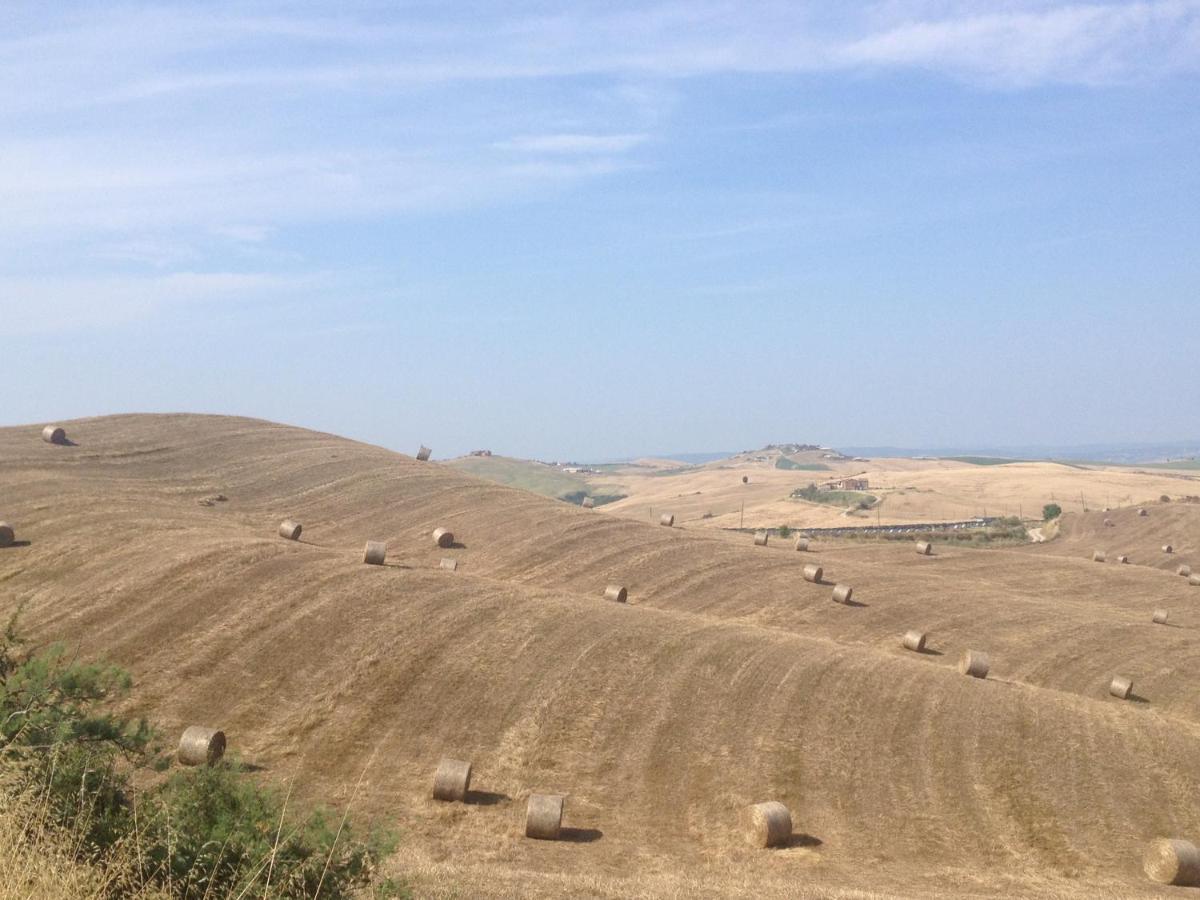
573 143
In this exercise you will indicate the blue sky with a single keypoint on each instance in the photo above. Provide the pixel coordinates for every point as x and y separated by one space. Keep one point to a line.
600 229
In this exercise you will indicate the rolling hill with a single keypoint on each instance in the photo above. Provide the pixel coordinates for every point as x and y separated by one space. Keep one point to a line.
725 680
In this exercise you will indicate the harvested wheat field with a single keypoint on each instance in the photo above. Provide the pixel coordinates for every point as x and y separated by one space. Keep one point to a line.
725 682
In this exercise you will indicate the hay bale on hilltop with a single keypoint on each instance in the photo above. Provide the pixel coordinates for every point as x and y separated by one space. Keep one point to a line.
616 593
53 434
842 593
1120 687
913 640
290 530
813 573
1142 512
1123 560
802 543
7 535
201 746
424 453
1172 861
588 503
452 780
375 553
1097 556
924 548
761 538
974 663
1185 571
1167 548
1160 617
768 824
667 519
543 816
443 537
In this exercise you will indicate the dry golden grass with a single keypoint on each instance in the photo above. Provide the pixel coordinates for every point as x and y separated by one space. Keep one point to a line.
728 678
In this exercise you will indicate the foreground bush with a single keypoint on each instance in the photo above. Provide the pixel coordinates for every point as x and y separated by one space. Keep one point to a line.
201 833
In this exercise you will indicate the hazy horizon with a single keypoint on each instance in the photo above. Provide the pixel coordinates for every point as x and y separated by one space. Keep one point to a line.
594 231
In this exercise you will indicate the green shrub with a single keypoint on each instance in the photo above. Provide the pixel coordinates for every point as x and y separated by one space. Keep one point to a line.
1051 511
784 531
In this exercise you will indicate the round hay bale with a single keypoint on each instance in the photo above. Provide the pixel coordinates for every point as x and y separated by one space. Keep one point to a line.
290 530
1185 571
1167 548
424 453
768 824
1120 687
543 816
1160 617
801 543
745 479
1108 523
52 434
842 593
667 519
1172 861
443 537
974 663
1097 556
914 640
761 538
201 746
1142 512
449 563
616 593
588 503
1123 560
1194 580
813 573
7 535
375 553
924 548
452 780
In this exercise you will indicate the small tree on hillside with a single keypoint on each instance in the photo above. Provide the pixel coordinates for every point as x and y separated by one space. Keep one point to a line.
1051 511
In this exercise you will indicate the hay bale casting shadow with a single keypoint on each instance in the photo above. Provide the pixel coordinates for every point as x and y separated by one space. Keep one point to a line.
201 746
290 530
974 663
924 548
761 538
768 824
914 641
543 816
1097 556
1120 687
667 519
7 535
616 593
375 553
801 543
53 434
813 573
443 537
1172 861
452 780
1160 617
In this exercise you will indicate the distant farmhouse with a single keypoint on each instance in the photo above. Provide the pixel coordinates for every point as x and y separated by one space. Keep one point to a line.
846 484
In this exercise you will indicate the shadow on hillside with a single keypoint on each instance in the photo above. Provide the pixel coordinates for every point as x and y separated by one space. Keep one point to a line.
929 651
486 798
458 545
803 840
16 544
853 602
580 835
1137 698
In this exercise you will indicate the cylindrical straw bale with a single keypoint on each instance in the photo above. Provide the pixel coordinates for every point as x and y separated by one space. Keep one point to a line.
1194 580
375 553
801 543
588 503
543 816
449 563
974 663
1108 523
616 593
813 573
914 640
1167 548
745 479
667 519
1123 560
842 593
1097 556
1120 687
423 453
1160 617
7 535
1185 571
924 548
52 434
443 537
1142 512
761 538
201 746
290 530
452 780
768 824
1172 861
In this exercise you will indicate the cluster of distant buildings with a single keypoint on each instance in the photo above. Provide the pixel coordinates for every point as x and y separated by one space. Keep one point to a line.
845 484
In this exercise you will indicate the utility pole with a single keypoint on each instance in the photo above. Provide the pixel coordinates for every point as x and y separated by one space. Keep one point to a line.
742 515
